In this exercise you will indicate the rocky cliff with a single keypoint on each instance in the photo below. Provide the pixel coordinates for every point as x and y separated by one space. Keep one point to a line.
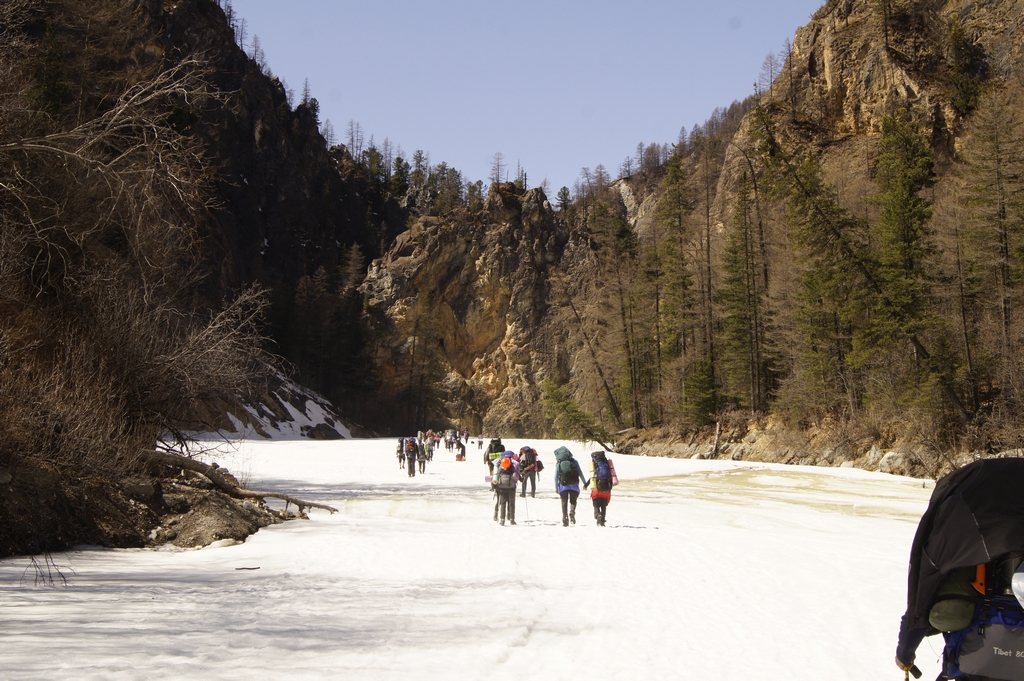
469 296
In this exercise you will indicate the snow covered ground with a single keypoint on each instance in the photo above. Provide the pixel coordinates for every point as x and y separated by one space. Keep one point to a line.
706 570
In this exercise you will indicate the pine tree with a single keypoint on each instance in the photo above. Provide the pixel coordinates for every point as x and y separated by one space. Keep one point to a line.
678 317
400 178
900 237
995 173
846 285
570 421
741 299
991 250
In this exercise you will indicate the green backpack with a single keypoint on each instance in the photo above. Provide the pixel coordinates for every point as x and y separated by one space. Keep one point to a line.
567 474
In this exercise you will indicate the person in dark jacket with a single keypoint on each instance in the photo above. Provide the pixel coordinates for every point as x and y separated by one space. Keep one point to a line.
504 481
411 455
528 470
567 484
423 456
964 570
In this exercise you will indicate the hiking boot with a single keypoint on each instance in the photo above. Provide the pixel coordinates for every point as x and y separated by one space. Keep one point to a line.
522 496
502 523
495 516
565 523
572 518
511 522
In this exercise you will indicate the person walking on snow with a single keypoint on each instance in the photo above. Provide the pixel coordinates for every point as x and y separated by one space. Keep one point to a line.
528 470
567 483
411 454
965 576
602 479
504 481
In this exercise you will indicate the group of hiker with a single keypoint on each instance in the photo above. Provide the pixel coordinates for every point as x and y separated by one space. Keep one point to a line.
508 469
414 452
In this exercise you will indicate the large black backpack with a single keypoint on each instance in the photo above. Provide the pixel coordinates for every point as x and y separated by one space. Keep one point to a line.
567 474
503 478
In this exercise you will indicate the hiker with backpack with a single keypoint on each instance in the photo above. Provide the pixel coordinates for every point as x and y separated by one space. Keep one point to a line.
495 450
568 475
412 451
424 456
528 470
965 578
504 481
400 452
602 479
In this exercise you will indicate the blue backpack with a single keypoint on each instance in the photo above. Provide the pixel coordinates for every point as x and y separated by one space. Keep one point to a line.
602 472
992 646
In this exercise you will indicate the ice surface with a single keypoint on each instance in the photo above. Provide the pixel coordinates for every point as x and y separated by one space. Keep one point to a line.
706 570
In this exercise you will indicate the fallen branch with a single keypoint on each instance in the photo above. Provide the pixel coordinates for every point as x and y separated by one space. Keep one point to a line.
214 474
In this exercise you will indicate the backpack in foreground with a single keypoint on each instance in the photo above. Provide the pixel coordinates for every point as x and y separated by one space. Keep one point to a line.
989 646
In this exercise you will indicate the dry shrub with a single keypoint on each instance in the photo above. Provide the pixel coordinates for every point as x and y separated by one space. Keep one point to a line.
105 341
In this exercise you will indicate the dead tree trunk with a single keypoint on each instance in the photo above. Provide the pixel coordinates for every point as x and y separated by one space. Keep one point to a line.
213 473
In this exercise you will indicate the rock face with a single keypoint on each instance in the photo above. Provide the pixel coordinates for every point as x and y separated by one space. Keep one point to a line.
847 71
472 294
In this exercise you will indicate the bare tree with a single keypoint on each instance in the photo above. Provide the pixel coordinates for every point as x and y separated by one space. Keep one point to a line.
770 69
497 167
327 130
355 139
99 250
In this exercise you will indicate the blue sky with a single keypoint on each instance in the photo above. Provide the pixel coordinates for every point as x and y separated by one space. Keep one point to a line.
555 85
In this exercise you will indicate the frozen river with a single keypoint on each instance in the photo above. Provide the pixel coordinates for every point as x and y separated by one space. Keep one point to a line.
706 570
